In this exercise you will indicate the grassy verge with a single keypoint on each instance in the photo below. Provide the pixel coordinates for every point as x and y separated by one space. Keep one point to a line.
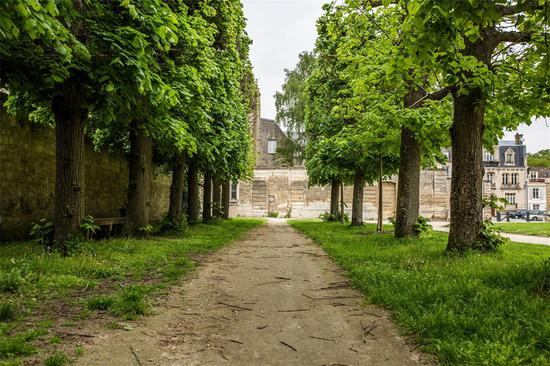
526 228
39 292
477 309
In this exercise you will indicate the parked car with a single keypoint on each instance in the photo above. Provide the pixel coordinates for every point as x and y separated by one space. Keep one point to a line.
536 215
517 214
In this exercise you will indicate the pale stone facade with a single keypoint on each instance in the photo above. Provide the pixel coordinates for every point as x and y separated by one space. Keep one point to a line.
539 189
506 172
286 192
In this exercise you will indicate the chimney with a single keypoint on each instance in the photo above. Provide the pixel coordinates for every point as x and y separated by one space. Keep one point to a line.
519 139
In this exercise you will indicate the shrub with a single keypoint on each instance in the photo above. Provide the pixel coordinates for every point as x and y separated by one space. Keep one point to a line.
11 281
99 303
173 225
57 359
7 312
489 238
273 214
328 217
129 304
42 233
89 227
423 226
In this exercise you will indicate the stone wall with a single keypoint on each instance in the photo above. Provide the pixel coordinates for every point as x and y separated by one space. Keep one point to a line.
27 179
284 190
266 130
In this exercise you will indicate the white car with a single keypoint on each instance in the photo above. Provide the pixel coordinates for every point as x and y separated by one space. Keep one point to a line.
536 215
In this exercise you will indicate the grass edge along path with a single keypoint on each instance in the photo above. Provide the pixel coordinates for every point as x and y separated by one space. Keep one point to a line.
43 293
525 228
474 309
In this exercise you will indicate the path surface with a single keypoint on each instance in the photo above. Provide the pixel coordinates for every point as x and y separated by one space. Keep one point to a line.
272 299
518 238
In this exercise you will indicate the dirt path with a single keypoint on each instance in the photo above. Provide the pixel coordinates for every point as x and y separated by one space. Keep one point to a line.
272 299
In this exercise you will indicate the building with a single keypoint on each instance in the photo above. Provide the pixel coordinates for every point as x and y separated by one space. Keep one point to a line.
539 189
278 187
506 172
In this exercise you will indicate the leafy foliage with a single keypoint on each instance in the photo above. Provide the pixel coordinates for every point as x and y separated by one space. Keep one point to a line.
539 159
423 226
489 238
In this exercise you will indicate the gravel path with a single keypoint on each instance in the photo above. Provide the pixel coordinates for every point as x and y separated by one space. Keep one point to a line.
271 299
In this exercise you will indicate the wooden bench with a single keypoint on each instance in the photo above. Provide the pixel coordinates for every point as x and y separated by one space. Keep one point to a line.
108 223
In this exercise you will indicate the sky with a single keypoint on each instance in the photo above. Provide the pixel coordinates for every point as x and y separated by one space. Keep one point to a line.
281 29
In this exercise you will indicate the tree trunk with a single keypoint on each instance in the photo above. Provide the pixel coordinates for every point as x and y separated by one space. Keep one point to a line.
192 193
466 141
408 188
207 197
467 173
342 204
334 198
226 187
216 199
380 221
175 210
71 113
357 205
139 181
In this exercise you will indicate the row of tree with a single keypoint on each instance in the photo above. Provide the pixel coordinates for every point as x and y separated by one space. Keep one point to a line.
390 83
169 82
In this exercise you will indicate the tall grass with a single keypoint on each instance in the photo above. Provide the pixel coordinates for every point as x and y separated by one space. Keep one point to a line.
475 309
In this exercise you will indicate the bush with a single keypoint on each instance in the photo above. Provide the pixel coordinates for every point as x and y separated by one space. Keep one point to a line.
99 303
89 227
273 214
57 359
7 312
11 281
423 226
42 233
129 304
168 225
489 238
328 217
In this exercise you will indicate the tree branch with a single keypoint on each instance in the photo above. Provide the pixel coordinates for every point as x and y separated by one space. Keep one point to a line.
514 37
438 95
528 5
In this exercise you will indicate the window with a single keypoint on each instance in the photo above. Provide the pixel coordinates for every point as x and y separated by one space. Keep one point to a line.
505 179
536 194
536 207
490 177
514 179
511 198
509 158
234 196
448 170
533 174
488 156
271 146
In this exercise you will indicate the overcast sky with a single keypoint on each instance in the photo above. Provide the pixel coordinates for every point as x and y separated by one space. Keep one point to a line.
281 29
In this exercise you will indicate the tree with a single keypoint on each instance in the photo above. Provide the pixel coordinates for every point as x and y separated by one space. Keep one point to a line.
493 57
372 48
291 104
539 159
70 58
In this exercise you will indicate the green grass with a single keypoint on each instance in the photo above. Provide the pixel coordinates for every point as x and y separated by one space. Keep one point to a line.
490 309
527 228
114 276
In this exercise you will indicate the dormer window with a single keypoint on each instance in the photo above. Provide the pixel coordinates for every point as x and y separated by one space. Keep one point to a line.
271 146
510 157
489 156
533 174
